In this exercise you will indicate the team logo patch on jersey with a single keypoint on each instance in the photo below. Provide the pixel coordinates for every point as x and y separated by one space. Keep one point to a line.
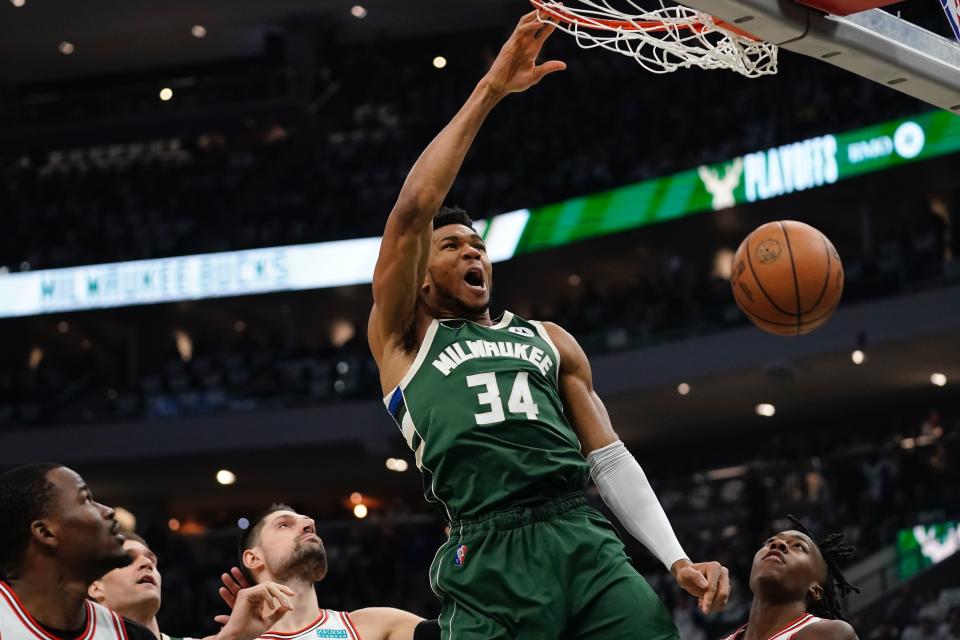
521 331
461 558
332 633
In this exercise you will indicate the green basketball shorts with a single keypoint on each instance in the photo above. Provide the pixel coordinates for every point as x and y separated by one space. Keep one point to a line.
549 572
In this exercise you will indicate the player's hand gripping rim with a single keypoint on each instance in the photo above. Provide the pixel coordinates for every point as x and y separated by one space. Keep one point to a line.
515 69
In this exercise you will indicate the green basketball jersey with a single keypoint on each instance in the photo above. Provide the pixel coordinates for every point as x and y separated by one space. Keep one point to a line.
480 407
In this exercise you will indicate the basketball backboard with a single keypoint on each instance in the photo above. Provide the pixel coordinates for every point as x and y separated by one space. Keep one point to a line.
871 43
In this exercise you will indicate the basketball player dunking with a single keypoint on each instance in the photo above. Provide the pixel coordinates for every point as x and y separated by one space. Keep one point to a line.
797 588
505 424
55 540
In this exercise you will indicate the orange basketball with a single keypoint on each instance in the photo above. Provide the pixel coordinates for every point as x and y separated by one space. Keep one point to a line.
787 277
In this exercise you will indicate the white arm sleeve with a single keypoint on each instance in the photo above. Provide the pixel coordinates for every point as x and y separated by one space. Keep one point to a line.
625 489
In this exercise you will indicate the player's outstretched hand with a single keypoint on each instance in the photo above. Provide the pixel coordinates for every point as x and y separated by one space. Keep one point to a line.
255 610
516 68
708 581
233 581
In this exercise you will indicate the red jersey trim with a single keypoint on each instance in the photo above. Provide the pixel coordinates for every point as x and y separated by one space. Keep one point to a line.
348 623
799 621
116 625
736 634
282 635
796 623
33 626
120 626
91 615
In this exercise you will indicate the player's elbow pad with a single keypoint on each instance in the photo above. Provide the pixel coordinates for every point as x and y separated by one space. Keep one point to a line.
625 489
427 630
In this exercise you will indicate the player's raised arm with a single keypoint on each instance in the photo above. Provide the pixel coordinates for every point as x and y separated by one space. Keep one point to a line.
401 265
622 483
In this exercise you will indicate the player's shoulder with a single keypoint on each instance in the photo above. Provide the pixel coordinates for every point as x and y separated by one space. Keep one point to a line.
827 630
567 345
384 622
383 613
555 331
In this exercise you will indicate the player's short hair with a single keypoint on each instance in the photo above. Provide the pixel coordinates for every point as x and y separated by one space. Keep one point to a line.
451 215
136 538
251 535
25 496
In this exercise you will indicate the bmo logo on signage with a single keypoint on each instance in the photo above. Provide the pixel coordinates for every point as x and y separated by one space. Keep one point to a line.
907 142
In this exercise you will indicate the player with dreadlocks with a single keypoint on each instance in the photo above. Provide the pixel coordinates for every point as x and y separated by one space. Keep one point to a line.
797 588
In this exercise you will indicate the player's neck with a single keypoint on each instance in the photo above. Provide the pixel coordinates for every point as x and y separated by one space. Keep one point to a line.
481 319
432 309
147 618
144 613
53 599
306 608
154 626
767 618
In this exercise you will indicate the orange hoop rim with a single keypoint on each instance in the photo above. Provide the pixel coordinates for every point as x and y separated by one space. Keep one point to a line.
549 7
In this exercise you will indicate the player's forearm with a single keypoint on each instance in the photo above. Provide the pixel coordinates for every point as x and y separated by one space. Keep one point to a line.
625 489
432 176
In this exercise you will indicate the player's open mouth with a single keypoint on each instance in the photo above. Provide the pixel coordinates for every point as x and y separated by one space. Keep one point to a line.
474 279
148 579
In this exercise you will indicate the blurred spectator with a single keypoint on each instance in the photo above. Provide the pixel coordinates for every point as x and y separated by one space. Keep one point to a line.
289 175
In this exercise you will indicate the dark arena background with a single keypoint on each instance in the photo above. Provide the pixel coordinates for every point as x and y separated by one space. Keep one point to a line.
192 195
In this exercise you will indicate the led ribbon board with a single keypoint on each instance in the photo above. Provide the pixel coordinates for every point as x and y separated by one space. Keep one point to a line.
756 176
923 546
217 275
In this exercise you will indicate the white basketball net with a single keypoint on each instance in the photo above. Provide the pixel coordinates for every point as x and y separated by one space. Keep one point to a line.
663 40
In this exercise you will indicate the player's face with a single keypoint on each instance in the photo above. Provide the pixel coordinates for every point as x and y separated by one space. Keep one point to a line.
788 567
134 587
459 273
88 537
291 547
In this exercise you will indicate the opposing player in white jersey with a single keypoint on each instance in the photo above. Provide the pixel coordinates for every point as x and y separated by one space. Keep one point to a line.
55 540
133 591
797 587
282 545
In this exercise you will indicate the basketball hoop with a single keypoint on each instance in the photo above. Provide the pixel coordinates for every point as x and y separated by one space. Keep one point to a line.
662 40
